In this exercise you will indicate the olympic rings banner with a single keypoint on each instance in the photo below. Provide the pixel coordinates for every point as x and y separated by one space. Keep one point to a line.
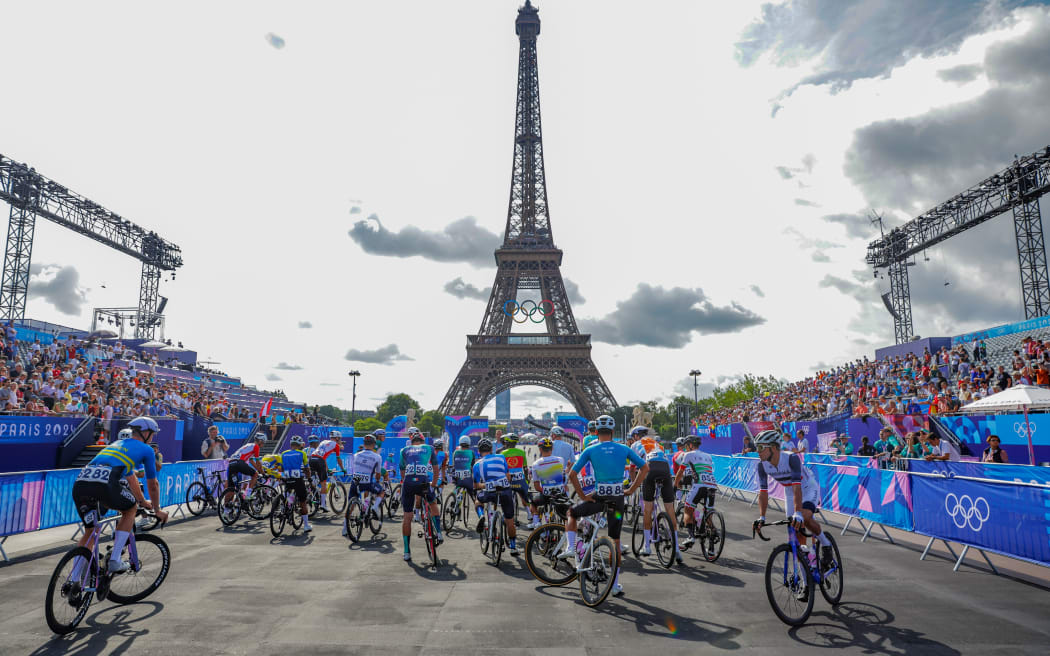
573 424
1011 429
1009 519
528 310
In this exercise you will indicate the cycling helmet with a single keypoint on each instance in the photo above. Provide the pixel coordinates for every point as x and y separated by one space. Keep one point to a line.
639 431
528 438
369 439
125 434
510 438
259 437
143 424
438 443
484 444
413 431
335 435
464 441
680 441
605 423
693 439
314 439
766 438
546 443
592 425
297 441
379 433
557 431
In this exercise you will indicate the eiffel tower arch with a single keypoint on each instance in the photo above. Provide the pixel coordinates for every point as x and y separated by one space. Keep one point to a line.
529 288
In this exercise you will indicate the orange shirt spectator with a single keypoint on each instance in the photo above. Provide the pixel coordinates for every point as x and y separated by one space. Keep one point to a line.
1042 377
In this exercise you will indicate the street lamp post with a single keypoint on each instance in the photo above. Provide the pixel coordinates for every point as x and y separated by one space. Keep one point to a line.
696 396
354 373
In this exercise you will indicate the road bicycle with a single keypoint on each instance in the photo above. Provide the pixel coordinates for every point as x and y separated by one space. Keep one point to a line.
285 510
632 508
337 495
664 540
201 495
393 500
82 574
457 506
790 577
710 530
365 509
257 502
427 530
493 535
597 558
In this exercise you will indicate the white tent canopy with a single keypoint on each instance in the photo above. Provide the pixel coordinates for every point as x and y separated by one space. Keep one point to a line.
1016 398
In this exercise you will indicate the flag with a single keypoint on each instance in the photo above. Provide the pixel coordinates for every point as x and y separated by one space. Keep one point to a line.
266 408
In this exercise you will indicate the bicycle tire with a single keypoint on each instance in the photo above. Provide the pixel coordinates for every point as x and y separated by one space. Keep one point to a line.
260 501
597 583
499 540
313 501
145 558
483 536
230 510
831 584
449 512
375 520
542 547
295 518
54 603
666 545
637 536
277 517
468 511
353 520
795 577
631 509
196 498
428 533
710 551
337 497
394 504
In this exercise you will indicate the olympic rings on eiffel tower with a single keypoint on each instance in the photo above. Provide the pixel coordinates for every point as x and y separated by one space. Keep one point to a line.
528 309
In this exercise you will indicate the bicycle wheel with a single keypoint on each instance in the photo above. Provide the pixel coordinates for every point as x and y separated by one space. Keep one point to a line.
714 538
499 539
375 520
313 501
428 534
630 512
354 520
449 511
597 580
260 501
67 600
230 510
467 508
789 585
196 498
394 502
637 536
154 561
541 555
277 517
295 518
831 578
665 540
336 497
483 536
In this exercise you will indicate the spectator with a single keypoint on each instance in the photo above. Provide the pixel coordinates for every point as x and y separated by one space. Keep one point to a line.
994 453
940 449
842 445
749 446
865 448
912 448
801 443
214 446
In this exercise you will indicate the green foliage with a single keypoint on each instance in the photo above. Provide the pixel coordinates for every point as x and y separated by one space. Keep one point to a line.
745 390
432 422
335 413
395 404
367 425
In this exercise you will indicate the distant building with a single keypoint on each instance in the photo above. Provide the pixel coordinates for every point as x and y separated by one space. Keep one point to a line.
547 417
503 406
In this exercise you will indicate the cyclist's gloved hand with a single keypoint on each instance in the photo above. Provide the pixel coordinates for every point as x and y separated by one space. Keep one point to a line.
796 520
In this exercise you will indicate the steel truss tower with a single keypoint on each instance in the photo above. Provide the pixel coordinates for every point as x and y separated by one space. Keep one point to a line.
31 194
1018 187
559 358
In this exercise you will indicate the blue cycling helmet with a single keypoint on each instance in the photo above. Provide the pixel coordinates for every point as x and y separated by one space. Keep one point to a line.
314 439
140 424
379 433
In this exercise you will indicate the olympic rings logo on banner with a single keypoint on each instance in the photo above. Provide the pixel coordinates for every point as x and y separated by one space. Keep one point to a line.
964 510
1020 429
528 309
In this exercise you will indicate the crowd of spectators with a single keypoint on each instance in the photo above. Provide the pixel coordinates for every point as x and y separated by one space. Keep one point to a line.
930 383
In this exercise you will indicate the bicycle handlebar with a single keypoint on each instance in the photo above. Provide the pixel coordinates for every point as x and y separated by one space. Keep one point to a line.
756 529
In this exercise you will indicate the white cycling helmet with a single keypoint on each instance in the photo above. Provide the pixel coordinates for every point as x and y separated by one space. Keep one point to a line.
767 437
557 431
605 423
335 434
639 431
464 441
125 434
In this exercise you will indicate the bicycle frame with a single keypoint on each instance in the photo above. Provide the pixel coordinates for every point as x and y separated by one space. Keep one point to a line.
818 572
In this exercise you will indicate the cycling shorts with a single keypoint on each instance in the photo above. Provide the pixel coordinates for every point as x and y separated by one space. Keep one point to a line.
115 494
561 504
662 478
468 485
298 486
357 488
409 492
614 514
504 498
319 467
522 491
237 468
700 494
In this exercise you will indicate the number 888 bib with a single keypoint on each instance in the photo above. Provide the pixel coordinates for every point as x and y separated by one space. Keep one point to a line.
609 489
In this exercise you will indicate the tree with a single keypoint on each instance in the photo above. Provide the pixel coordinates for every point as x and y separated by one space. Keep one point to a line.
395 404
432 422
335 413
367 425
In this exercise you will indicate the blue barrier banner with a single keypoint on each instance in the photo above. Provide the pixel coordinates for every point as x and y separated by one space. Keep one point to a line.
1012 430
738 473
234 430
21 496
24 430
1015 473
878 495
828 459
324 431
458 426
1009 519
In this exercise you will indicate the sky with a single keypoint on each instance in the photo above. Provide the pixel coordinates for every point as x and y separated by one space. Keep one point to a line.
337 176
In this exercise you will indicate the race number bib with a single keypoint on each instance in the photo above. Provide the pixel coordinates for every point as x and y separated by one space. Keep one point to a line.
95 473
708 478
362 478
418 470
609 489
461 475
491 486
549 488
587 481
517 477
293 473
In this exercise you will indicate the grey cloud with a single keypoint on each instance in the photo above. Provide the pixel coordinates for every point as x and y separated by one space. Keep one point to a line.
820 256
461 289
856 39
960 74
305 324
915 163
386 355
805 203
273 378
356 209
275 41
684 387
329 384
809 160
758 291
284 366
785 172
572 290
59 286
857 225
462 240
847 287
654 316
809 242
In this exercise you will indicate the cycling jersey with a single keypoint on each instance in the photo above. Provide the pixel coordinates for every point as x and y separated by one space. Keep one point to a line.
491 472
462 467
441 456
367 466
589 439
549 472
564 451
418 462
246 453
607 460
270 463
292 463
515 465
790 472
701 466
123 456
327 448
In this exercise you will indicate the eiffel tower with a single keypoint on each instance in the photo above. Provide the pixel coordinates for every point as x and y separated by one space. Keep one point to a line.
560 357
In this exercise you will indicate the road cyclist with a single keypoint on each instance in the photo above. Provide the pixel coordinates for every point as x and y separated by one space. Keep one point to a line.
658 477
322 449
367 474
417 464
702 493
461 468
548 480
516 470
293 466
562 449
245 461
492 481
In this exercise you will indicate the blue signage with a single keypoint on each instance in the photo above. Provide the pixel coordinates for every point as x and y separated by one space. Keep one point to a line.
24 430
234 430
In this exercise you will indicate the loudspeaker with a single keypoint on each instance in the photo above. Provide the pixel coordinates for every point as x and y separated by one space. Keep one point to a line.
889 305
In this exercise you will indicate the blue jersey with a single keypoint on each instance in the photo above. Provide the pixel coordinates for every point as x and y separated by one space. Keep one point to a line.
418 462
607 459
293 461
129 455
463 465
563 450
491 471
441 456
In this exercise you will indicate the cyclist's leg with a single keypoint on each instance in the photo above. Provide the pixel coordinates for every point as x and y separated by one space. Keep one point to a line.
435 512
615 520
408 504
506 504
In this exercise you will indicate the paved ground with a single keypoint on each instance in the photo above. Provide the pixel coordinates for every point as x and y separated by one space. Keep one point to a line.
236 591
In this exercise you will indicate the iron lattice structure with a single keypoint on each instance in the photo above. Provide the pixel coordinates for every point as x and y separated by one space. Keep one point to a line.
30 195
1018 187
559 358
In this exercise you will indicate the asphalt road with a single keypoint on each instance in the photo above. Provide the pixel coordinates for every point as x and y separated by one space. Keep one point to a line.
237 591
